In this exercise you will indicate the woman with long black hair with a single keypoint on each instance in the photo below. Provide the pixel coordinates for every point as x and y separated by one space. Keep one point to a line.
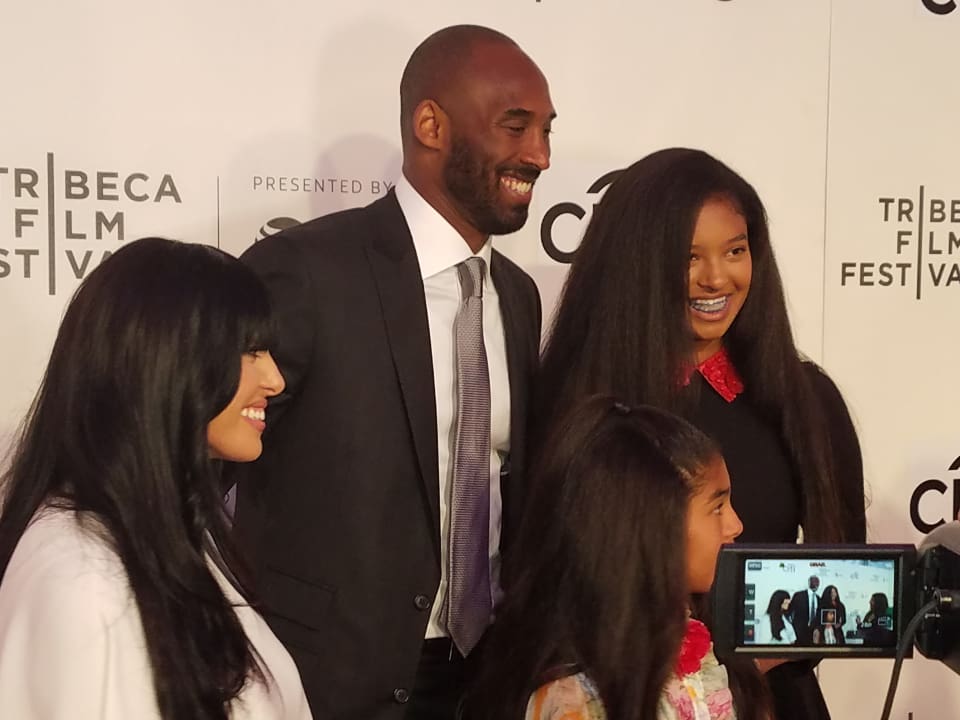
831 630
876 628
775 627
674 299
119 596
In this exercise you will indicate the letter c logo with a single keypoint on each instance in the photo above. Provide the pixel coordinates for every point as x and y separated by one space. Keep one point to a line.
546 230
923 488
940 8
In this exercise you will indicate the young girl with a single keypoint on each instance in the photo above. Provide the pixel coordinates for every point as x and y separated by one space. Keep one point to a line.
626 518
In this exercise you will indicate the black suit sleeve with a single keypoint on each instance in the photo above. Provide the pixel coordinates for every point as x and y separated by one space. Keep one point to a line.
280 264
845 454
798 599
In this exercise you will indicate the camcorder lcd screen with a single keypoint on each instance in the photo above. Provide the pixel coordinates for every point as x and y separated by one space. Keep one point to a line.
813 601
822 603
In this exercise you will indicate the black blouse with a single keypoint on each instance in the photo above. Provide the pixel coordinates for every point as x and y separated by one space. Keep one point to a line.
763 489
767 494
766 491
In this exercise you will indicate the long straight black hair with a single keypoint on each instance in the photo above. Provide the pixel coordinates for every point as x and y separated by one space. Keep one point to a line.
148 353
827 602
775 612
622 325
599 581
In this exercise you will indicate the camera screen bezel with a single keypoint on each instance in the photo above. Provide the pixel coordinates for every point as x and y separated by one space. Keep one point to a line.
729 601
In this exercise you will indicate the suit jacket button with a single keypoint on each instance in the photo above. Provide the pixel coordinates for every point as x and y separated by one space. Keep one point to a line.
401 695
422 602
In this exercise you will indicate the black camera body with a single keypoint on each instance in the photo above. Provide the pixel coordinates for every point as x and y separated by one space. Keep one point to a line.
938 636
820 601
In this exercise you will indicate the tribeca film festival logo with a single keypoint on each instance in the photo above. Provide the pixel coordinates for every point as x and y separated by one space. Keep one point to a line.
80 214
926 522
548 225
925 235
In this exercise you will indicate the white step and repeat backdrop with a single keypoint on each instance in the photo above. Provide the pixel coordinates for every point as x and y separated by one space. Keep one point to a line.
224 122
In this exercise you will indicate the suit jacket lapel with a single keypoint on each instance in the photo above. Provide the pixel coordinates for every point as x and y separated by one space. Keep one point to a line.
393 261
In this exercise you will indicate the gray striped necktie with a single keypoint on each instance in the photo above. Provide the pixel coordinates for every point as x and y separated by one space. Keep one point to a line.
469 603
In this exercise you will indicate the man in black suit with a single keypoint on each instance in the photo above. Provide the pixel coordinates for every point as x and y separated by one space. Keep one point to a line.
371 464
805 612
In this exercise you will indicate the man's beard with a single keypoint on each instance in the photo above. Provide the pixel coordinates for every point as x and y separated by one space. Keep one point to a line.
474 184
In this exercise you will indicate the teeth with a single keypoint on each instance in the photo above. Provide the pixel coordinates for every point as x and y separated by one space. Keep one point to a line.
518 186
714 305
254 413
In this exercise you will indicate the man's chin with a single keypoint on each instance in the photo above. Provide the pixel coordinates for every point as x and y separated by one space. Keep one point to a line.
500 219
513 219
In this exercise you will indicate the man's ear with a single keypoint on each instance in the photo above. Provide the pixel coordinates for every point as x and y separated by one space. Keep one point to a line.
431 125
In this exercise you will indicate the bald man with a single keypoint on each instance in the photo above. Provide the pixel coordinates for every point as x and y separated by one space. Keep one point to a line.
393 470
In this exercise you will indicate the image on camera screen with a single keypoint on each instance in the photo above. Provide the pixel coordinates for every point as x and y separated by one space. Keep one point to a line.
815 603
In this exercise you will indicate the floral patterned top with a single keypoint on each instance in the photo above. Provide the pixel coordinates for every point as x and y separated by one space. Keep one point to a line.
703 694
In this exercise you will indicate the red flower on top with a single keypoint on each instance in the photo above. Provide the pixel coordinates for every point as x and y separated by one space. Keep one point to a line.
696 643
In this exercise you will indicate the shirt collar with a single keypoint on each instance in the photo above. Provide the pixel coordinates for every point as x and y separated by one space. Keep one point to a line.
720 374
437 244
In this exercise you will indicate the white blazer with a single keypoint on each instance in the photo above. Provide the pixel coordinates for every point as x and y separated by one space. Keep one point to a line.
72 644
788 635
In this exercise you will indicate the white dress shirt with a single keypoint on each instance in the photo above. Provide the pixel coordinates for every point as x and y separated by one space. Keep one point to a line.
439 249
72 643
813 602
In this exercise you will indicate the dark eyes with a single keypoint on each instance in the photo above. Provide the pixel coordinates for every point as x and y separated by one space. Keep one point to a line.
519 130
735 251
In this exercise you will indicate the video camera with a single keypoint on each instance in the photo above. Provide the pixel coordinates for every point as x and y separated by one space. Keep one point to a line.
820 601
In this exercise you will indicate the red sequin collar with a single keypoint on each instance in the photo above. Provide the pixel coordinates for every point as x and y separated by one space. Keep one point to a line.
719 372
